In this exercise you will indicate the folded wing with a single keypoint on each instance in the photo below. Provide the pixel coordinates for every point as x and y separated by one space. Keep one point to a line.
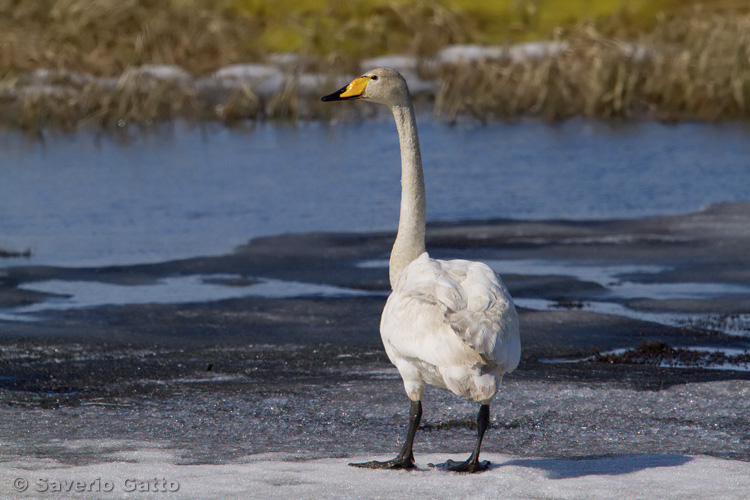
435 300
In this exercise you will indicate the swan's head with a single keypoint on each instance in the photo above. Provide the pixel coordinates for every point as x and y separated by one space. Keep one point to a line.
382 85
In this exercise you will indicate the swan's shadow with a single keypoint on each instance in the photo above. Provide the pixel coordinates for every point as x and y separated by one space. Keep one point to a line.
609 465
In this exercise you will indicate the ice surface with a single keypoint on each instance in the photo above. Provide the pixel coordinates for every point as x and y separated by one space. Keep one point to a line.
173 290
165 72
152 472
247 72
610 276
738 325
732 324
264 79
516 53
616 279
726 351
548 439
602 274
613 277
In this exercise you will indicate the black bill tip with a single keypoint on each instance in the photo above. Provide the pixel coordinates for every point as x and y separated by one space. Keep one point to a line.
335 96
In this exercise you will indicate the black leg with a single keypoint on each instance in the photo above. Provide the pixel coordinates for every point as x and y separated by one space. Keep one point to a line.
405 459
472 464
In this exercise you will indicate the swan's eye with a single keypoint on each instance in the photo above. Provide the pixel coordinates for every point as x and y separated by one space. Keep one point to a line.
374 77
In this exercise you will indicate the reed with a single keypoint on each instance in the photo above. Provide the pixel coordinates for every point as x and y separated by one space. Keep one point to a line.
104 37
687 68
348 32
690 64
132 98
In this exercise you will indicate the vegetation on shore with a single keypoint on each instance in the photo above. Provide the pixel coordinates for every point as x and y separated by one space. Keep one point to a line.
695 68
664 59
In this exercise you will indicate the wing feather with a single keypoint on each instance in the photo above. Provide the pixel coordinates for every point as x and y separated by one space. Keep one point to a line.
469 298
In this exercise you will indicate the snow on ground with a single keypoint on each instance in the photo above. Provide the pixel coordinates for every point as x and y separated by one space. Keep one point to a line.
151 473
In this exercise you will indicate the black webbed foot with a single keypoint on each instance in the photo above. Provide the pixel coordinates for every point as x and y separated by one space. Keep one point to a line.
405 459
396 463
470 466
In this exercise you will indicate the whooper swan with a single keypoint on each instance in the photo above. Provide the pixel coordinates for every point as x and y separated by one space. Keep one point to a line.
452 323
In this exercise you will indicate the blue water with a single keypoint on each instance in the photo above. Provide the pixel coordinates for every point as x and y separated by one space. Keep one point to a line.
88 199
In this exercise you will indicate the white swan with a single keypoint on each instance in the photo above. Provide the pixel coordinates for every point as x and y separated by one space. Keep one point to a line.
452 323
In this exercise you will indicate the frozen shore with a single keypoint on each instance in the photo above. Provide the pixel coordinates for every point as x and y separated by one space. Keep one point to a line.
150 472
195 370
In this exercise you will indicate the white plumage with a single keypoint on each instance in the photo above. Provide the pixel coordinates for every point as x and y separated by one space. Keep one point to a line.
452 323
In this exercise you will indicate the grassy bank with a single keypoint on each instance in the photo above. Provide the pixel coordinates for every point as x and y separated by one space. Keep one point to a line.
663 59
693 68
104 37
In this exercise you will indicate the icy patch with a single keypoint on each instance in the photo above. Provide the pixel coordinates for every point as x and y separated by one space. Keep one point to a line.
207 378
687 290
271 476
731 324
663 318
247 72
610 239
736 325
608 276
612 278
521 52
604 275
173 290
165 72
263 79
373 264
728 359
530 51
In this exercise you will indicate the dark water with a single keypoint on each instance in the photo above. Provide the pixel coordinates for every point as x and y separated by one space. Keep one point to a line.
86 199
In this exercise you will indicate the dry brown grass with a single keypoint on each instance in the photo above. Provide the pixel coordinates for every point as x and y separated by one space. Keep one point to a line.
695 65
77 39
348 32
127 103
137 99
104 37
693 68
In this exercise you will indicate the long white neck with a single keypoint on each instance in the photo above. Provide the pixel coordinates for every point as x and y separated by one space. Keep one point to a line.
411 224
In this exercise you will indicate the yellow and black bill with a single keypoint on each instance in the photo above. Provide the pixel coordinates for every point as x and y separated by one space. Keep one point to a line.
354 90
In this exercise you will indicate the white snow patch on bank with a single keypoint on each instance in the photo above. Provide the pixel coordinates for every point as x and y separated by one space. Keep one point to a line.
528 51
273 476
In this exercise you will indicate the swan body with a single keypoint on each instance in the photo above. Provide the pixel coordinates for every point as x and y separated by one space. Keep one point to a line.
451 324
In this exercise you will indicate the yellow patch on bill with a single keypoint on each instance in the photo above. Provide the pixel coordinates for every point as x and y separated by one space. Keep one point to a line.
356 88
